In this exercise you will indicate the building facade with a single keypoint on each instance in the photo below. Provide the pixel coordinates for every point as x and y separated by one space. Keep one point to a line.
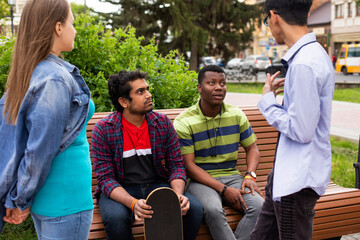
345 27
263 42
319 23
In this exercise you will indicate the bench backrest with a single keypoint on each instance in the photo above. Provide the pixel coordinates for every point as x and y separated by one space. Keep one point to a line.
266 140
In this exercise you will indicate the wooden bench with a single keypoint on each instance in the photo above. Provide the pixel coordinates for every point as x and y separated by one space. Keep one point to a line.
337 211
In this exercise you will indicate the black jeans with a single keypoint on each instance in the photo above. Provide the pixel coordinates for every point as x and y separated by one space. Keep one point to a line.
291 218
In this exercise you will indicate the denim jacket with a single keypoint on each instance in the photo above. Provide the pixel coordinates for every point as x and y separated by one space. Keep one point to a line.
51 116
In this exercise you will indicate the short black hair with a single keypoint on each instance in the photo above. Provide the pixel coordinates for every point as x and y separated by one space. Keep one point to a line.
119 86
209 68
294 12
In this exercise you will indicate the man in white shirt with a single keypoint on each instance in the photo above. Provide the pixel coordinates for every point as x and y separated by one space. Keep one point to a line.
302 165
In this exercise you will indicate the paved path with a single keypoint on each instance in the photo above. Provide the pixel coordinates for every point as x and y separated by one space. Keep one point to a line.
345 119
355 236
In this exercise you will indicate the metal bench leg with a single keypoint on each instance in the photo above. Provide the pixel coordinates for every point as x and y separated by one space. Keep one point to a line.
357 169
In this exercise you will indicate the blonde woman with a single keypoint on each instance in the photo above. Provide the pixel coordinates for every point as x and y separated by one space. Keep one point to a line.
45 165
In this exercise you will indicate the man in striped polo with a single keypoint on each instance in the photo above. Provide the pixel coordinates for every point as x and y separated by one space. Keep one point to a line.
209 134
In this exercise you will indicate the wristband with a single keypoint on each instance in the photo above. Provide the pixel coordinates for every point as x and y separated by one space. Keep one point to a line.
223 191
249 177
133 204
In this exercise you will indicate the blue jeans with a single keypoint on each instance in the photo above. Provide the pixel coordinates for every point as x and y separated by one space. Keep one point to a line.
214 213
118 218
70 227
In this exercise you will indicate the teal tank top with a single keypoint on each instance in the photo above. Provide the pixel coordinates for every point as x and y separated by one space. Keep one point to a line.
67 189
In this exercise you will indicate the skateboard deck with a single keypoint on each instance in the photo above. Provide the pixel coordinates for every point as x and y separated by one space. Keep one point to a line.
166 221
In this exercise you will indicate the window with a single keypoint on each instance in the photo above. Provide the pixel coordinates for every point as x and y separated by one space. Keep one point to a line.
350 11
339 11
351 52
357 52
342 53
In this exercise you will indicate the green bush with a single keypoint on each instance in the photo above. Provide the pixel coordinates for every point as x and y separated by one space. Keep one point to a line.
5 58
98 52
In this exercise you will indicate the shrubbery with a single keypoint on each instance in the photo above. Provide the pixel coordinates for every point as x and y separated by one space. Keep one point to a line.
5 58
99 53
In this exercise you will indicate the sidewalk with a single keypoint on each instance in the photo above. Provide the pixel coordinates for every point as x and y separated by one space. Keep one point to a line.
345 117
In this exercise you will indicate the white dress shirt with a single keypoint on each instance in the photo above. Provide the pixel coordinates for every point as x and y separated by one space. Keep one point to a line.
303 157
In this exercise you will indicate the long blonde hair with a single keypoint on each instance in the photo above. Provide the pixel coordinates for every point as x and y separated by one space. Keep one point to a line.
33 44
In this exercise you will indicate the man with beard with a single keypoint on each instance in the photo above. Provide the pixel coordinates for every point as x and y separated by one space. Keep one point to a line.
209 134
135 151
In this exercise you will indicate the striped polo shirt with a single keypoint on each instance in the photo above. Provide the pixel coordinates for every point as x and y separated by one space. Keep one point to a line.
214 140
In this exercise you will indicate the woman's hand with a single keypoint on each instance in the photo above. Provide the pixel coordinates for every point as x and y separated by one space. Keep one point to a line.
16 216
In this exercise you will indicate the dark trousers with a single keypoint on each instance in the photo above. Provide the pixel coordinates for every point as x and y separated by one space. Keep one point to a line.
118 218
291 218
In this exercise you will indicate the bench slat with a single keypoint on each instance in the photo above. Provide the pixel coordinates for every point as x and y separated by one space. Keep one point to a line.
331 232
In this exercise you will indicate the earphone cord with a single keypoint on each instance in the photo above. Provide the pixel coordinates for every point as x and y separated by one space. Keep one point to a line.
213 149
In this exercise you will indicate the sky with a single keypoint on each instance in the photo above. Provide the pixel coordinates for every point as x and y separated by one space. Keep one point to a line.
101 6
96 5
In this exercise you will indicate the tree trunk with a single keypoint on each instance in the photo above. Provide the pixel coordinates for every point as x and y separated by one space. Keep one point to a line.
194 64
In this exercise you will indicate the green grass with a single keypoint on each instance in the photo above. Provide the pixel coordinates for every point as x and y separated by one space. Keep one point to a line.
245 87
24 231
345 95
344 154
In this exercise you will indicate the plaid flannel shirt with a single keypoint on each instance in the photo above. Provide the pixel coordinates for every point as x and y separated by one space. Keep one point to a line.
107 151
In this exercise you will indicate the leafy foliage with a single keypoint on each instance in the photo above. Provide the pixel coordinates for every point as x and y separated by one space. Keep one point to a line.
4 8
98 52
6 48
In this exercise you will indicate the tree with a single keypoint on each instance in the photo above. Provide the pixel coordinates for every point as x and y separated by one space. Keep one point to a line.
77 9
4 9
210 27
4 12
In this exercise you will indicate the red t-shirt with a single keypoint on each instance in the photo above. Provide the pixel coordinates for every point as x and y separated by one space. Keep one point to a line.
138 160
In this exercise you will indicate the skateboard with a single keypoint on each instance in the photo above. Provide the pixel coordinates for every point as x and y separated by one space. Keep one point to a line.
166 221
